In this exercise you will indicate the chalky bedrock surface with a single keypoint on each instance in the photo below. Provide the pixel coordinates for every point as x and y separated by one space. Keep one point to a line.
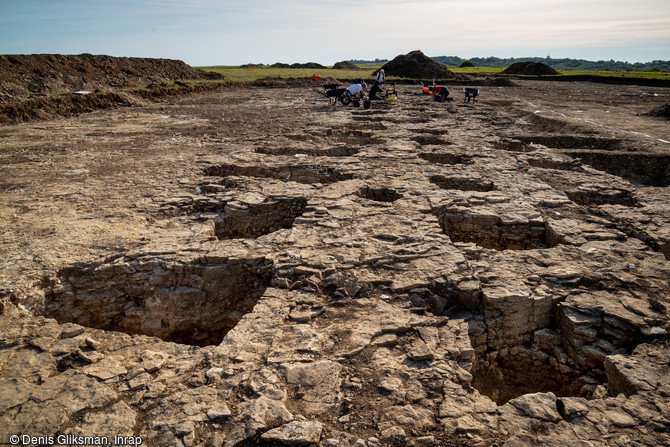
251 267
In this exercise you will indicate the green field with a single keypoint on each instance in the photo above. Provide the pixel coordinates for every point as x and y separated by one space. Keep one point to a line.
477 70
244 74
570 72
618 73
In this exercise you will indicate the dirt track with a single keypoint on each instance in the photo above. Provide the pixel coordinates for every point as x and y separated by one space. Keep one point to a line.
375 196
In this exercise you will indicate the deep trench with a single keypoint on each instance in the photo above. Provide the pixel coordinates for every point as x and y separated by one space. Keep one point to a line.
552 353
255 220
338 150
612 155
647 169
494 232
597 196
572 142
300 173
195 303
189 303
503 378
556 357
381 194
462 183
446 158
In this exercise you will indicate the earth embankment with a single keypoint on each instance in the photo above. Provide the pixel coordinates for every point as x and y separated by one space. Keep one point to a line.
40 86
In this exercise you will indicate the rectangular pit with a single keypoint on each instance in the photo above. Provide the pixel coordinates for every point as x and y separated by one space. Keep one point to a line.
446 158
254 220
572 142
340 150
307 174
493 231
191 303
647 169
462 183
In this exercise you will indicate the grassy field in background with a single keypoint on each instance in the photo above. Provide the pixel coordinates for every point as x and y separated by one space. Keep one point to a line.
476 70
625 74
244 74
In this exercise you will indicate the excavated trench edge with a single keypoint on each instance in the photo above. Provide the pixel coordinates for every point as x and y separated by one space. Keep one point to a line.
308 174
190 303
648 169
252 221
560 353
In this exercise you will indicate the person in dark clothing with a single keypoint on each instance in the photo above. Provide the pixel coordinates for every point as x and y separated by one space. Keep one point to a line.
374 90
441 93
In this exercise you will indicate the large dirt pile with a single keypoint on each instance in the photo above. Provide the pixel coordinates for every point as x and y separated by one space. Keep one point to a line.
530 68
39 74
346 65
416 65
298 65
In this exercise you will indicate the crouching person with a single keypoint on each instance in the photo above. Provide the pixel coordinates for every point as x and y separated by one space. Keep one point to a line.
374 90
441 93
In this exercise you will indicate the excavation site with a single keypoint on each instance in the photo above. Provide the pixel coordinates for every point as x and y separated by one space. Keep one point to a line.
249 265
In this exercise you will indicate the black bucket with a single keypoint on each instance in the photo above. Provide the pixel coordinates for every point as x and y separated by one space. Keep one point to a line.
356 103
366 104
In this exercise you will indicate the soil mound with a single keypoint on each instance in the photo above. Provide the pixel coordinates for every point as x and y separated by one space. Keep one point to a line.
307 65
43 74
497 82
297 65
662 111
416 65
346 65
530 68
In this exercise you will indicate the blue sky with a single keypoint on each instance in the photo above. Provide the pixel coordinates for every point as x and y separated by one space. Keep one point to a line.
208 32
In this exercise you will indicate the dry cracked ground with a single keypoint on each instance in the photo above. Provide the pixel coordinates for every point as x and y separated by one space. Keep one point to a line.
251 267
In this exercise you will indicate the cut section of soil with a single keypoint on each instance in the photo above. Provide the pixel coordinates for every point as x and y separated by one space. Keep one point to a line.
22 75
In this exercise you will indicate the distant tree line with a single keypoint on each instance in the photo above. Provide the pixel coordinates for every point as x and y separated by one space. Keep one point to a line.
559 64
363 62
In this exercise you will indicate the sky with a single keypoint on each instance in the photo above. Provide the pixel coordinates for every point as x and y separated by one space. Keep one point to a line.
209 32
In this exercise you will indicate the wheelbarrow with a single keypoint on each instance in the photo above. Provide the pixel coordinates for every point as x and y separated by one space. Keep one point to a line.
334 93
470 93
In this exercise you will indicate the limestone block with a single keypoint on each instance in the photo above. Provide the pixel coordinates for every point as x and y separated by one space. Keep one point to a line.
540 406
318 382
118 420
295 433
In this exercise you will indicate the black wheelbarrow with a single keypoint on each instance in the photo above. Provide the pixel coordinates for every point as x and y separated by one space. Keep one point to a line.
333 93
470 93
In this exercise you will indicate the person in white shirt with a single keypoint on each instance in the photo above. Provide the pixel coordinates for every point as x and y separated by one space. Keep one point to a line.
356 90
381 77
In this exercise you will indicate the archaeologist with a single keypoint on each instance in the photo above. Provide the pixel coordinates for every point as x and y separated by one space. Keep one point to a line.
374 90
381 76
441 93
356 90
